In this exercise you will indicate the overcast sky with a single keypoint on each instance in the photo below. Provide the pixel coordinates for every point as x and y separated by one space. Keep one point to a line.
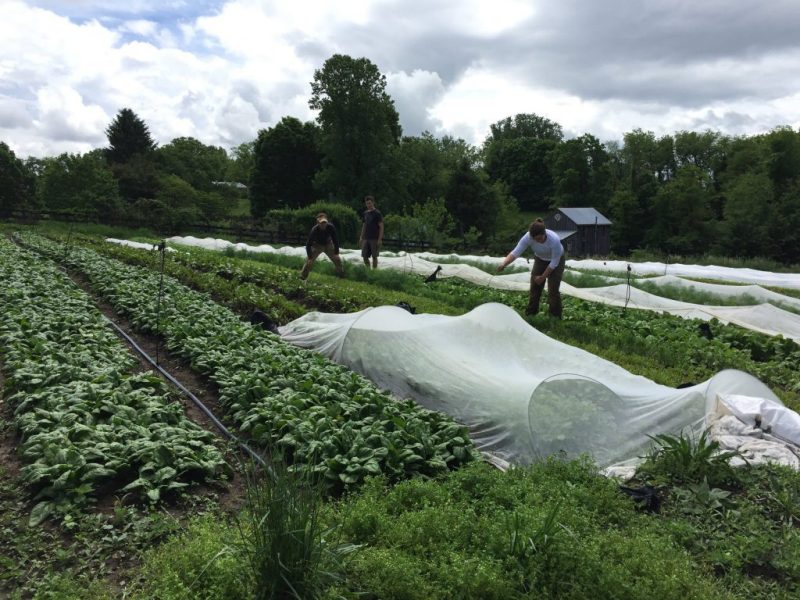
220 71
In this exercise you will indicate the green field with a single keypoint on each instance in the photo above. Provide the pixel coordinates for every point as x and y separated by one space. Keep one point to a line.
366 496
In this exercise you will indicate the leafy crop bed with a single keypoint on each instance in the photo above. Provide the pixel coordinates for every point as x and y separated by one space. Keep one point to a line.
88 425
326 418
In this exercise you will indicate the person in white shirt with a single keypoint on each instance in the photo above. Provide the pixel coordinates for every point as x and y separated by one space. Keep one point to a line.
548 265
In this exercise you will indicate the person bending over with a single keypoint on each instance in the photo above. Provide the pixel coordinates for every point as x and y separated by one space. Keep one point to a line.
548 265
322 238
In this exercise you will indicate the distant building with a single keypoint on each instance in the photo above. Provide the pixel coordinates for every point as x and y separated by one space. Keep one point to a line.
583 231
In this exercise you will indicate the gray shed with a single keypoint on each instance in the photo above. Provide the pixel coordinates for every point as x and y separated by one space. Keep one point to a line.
583 231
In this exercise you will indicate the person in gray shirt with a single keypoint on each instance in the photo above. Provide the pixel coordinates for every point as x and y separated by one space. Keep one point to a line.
548 265
371 238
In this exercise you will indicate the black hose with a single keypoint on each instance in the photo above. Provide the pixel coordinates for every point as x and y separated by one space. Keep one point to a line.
190 395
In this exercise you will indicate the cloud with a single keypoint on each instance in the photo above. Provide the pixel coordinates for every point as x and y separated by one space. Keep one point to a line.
220 70
414 95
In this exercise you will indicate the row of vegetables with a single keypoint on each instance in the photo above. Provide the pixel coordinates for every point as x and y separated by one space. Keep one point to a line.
88 422
697 351
324 418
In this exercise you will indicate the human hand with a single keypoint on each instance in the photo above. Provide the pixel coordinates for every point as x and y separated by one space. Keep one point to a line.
500 267
539 279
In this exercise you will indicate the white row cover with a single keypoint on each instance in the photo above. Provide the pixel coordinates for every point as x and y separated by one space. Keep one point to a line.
765 318
525 396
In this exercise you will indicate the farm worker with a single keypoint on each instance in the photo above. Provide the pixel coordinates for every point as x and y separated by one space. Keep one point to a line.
371 237
322 238
548 265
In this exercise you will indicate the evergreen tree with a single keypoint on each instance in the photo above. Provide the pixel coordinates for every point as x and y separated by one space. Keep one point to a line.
128 136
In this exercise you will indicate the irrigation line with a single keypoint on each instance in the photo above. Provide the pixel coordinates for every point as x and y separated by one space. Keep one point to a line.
189 394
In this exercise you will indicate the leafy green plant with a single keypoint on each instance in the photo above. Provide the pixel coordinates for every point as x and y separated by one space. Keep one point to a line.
688 459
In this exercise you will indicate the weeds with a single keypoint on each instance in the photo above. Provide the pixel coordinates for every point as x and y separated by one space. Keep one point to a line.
684 459
289 551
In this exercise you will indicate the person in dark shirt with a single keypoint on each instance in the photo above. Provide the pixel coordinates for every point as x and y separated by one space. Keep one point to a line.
371 232
322 238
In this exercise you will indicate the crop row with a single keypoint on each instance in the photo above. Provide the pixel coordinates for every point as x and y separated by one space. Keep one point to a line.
692 352
88 424
326 418
245 283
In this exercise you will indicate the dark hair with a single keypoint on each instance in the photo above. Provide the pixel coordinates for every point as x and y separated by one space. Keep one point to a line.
369 198
536 228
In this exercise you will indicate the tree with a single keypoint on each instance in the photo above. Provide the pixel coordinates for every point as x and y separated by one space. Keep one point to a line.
80 183
194 162
784 159
471 200
517 151
16 182
286 158
524 165
128 136
746 216
626 214
360 126
581 175
682 210
525 125
240 167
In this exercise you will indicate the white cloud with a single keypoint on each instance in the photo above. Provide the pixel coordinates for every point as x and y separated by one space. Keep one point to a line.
221 70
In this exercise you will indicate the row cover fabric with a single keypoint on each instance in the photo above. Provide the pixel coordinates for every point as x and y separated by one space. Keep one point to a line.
522 394
764 317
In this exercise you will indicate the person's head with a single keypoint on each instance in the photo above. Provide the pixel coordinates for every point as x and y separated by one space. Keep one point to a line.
369 202
322 220
537 231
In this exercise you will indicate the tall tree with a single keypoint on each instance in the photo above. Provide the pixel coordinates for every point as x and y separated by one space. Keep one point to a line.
16 182
286 158
517 152
360 127
128 136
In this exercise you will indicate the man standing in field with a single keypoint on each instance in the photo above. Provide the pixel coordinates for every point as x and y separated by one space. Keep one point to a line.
371 232
548 265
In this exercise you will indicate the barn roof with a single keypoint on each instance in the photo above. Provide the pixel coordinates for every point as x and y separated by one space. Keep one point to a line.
584 216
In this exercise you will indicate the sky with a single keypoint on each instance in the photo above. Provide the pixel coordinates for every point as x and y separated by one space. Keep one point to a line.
220 71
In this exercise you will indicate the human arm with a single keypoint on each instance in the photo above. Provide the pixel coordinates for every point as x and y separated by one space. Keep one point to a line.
380 232
506 261
361 235
523 243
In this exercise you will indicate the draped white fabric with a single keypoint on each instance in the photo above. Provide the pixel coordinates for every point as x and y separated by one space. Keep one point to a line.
522 394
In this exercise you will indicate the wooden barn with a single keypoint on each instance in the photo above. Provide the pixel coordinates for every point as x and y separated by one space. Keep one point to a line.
583 231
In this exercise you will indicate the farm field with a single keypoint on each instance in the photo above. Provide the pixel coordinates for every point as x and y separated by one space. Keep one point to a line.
401 507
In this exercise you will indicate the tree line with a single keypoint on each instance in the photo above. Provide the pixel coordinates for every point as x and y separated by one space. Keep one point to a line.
688 193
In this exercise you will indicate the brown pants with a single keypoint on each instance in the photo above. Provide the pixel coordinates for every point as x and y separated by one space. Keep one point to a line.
316 250
553 285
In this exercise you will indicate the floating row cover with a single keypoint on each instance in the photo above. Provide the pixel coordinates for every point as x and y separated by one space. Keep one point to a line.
762 317
522 394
